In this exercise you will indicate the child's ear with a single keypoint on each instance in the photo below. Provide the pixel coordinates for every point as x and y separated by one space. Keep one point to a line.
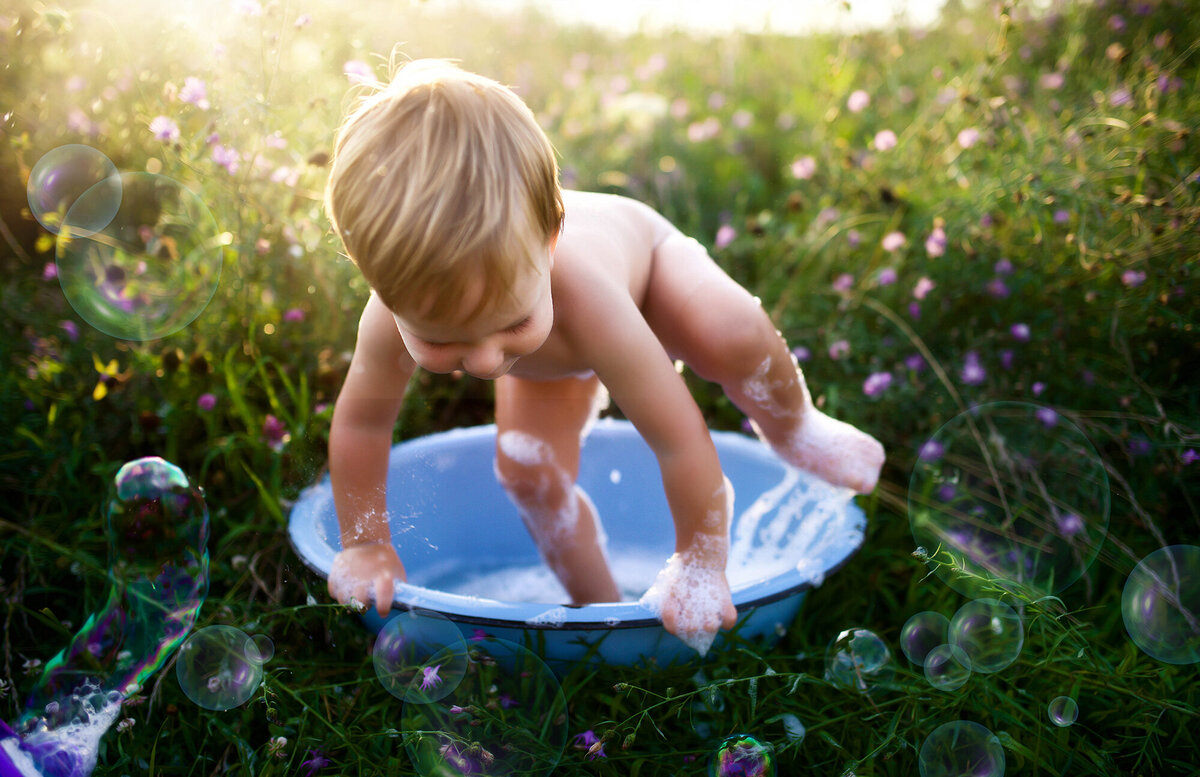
553 245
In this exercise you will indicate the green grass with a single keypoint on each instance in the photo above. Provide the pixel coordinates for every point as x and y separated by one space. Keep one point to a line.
1075 213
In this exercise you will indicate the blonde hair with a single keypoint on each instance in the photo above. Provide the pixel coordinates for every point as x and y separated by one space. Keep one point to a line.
440 179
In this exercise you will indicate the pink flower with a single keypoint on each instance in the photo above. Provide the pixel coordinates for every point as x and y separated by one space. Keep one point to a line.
274 432
997 288
1189 456
226 157
887 276
194 93
725 235
801 353
206 401
935 244
843 282
893 241
293 314
972 373
71 328
1020 332
1061 216
1003 267
931 451
164 129
885 140
430 677
742 119
49 271
858 100
923 287
839 349
358 72
303 20
876 383
1047 416
1120 97
1052 80
968 137
1133 278
804 168
853 238
1038 388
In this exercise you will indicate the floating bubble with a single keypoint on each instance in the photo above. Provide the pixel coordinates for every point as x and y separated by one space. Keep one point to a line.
742 755
508 715
989 632
420 656
922 633
58 182
795 730
961 749
219 667
947 667
152 269
157 530
1010 492
263 647
1161 604
857 658
1063 711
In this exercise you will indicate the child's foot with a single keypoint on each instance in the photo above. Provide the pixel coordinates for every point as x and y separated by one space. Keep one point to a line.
832 450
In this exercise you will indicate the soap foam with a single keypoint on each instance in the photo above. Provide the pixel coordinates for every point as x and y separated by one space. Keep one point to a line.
700 591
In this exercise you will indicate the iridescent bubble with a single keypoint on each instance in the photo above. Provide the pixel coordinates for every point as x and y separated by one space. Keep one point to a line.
857 658
152 269
508 715
1161 604
264 648
219 667
922 633
57 184
947 667
1016 494
742 755
419 656
157 530
989 632
961 749
1063 711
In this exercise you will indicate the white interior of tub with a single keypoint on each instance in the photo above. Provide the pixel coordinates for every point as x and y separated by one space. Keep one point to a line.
457 532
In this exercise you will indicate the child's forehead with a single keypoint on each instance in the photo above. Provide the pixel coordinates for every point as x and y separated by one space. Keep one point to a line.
476 307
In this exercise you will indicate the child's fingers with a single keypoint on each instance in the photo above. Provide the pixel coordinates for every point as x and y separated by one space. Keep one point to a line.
729 616
385 591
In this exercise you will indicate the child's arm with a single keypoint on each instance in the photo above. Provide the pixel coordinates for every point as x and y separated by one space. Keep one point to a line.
607 328
360 441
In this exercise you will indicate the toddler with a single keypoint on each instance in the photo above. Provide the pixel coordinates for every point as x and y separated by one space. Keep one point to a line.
444 192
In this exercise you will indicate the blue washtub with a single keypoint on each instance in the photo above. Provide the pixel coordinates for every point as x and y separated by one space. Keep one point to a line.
451 522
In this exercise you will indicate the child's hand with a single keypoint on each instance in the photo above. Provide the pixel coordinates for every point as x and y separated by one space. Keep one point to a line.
366 572
694 599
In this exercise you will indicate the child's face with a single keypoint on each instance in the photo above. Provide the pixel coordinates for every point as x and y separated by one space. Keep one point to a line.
488 346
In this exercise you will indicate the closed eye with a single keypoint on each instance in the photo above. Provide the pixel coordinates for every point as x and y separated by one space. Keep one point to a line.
520 327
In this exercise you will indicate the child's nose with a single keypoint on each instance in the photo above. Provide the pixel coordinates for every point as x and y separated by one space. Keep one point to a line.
483 360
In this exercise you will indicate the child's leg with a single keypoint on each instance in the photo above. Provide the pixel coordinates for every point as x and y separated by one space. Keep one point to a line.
705 318
538 433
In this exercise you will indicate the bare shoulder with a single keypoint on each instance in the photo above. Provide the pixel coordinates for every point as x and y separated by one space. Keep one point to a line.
627 219
379 346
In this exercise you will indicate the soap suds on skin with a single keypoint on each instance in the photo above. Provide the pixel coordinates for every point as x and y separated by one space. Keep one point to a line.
700 591
550 510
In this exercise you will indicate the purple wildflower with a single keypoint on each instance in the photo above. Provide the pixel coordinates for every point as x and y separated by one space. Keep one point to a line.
1020 332
163 128
972 373
946 493
968 137
1189 456
316 761
293 314
1006 358
922 288
1133 278
1038 388
358 72
194 92
1061 216
1116 22
590 742
303 20
804 167
1139 446
71 328
914 362
858 100
931 451
1047 416
853 238
914 310
226 157
1003 267
1069 524
725 235
275 432
997 288
507 702
876 383
801 353
1054 80
50 271
206 401
839 349
431 678
935 244
893 241
885 140
887 276
1120 96
843 282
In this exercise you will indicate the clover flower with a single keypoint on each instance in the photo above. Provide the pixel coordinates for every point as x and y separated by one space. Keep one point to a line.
885 140
804 168
972 373
887 276
922 287
858 100
430 677
194 92
893 241
725 235
876 383
967 137
935 244
839 349
1020 332
164 129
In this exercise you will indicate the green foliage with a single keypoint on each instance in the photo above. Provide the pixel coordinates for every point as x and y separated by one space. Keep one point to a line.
1044 174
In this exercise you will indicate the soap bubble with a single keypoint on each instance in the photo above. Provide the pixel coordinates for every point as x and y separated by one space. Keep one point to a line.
989 632
156 526
152 269
419 656
58 182
1012 492
263 647
1063 711
219 667
1161 604
857 658
922 633
961 749
947 667
508 715
742 755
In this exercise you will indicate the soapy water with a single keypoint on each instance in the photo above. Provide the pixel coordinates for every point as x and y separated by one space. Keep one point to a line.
151 269
157 530
1160 604
1011 493
419 656
961 748
220 667
507 715
60 179
743 755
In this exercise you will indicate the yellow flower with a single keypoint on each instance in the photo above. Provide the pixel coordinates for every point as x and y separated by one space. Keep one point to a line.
108 376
